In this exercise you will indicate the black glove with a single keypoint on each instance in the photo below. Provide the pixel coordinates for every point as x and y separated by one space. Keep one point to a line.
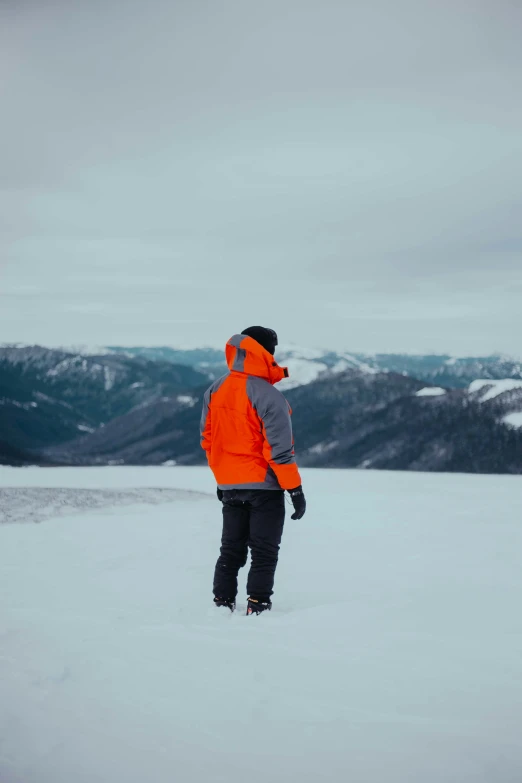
220 494
298 499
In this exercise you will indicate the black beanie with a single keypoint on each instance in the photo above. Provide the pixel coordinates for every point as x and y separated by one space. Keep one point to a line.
265 337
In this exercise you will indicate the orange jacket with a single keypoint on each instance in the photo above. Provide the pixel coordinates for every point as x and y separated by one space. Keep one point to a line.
245 425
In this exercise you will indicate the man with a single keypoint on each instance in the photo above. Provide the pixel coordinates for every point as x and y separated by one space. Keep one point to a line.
247 434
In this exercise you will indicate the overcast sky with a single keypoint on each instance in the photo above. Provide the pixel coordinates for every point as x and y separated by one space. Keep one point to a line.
347 173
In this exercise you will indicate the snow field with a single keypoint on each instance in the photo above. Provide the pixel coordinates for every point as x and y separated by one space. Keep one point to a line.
393 653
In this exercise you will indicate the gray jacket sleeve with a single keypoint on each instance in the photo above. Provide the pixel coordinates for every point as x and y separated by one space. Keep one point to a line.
205 425
274 411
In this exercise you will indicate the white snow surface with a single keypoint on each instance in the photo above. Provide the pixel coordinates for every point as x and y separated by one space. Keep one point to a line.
349 362
431 391
301 372
323 447
496 387
304 366
187 399
393 652
85 428
513 419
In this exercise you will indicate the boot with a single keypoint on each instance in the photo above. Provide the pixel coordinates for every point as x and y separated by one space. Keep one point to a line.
255 606
230 603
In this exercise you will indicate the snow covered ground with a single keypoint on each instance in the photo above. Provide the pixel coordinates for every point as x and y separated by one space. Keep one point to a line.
513 419
431 391
393 653
35 504
494 388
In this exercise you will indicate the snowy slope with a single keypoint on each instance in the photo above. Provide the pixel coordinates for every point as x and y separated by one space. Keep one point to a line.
306 365
393 653
502 396
489 389
301 372
513 419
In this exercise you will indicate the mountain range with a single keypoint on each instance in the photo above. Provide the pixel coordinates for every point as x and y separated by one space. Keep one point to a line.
307 364
49 397
142 406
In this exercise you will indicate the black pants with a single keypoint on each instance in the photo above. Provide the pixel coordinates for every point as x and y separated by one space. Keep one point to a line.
251 518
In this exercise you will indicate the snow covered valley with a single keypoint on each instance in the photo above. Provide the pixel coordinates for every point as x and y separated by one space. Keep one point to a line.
393 652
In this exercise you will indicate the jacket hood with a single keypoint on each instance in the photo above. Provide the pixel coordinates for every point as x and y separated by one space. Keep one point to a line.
246 355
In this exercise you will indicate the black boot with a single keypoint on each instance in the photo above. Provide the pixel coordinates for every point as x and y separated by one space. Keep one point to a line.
256 607
230 603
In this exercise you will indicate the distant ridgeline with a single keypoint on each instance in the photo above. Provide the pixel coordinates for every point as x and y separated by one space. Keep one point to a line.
142 406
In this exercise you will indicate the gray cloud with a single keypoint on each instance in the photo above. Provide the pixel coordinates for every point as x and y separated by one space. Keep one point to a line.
348 173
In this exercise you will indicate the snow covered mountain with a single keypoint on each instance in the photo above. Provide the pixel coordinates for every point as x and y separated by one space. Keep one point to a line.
455 372
392 421
161 431
307 365
502 397
49 396
117 408
352 419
